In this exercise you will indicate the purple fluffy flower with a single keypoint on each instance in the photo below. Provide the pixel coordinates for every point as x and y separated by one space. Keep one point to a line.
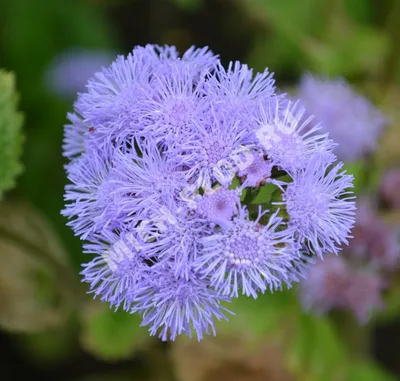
286 135
175 236
174 104
212 150
351 120
219 206
125 272
118 268
248 256
145 178
169 157
75 139
144 91
171 306
238 90
320 206
89 196
256 172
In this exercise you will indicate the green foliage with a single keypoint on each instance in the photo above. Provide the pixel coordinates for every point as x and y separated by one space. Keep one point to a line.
291 22
32 35
36 285
360 11
368 371
190 5
348 51
111 335
334 43
316 352
265 194
114 376
10 132
314 347
269 314
391 299
291 18
50 346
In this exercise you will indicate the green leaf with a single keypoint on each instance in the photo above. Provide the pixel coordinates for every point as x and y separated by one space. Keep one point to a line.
264 194
10 132
112 335
290 18
236 184
268 314
348 50
366 175
360 10
36 286
110 376
391 301
287 25
316 352
368 371
49 347
189 4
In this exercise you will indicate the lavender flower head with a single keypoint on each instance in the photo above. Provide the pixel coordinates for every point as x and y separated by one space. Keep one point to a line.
351 120
188 181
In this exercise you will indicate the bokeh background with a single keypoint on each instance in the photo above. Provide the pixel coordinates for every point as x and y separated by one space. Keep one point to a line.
50 328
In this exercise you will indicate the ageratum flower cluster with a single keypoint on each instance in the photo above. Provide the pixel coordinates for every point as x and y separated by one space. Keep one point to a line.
193 184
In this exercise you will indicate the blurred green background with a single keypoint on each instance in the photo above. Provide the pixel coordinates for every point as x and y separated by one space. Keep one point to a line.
50 328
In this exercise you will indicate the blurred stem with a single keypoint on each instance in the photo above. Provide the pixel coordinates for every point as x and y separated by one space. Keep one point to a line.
367 174
354 335
389 72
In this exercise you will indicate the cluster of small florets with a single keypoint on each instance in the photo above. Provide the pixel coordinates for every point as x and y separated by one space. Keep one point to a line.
193 184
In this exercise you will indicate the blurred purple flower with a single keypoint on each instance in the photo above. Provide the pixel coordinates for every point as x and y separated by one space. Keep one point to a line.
325 285
363 294
351 120
389 191
355 280
69 72
333 284
374 241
